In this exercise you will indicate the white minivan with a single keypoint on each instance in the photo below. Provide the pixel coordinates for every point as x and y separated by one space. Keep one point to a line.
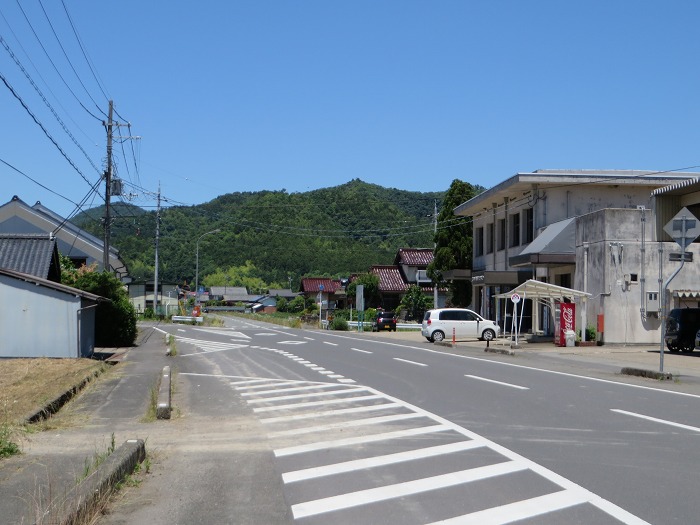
464 324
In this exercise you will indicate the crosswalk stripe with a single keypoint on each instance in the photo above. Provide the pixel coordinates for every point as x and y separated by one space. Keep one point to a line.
360 440
344 400
344 424
398 490
295 389
305 396
326 413
520 510
379 461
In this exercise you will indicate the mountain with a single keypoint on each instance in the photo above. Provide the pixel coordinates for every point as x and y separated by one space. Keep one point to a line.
327 232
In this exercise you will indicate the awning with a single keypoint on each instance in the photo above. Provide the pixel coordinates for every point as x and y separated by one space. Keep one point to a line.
532 289
691 294
554 246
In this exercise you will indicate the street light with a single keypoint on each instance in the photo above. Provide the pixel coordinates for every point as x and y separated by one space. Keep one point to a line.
196 274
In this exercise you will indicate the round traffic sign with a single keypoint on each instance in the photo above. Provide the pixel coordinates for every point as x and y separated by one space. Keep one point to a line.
515 298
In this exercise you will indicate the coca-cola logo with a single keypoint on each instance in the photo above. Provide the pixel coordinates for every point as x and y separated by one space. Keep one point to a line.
568 318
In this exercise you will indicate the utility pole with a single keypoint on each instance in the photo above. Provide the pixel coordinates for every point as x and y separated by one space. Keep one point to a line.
155 277
108 183
435 285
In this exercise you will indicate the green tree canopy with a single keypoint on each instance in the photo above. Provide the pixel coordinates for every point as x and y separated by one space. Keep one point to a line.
453 243
371 290
415 302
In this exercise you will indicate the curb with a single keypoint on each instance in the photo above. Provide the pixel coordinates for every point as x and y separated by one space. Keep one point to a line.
81 501
163 405
51 407
651 374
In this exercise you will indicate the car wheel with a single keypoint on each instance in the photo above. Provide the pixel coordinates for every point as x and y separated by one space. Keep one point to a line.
429 339
488 335
438 335
688 347
672 348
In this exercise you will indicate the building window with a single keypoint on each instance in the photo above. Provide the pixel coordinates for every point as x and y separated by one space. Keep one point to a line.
489 238
529 233
479 242
501 234
515 229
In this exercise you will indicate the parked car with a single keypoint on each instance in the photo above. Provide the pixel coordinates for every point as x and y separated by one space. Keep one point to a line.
682 325
384 321
443 322
697 339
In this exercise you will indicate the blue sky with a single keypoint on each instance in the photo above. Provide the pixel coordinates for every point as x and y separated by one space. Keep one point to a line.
267 95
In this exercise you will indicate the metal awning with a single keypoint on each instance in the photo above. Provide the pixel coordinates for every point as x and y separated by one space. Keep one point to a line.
556 245
532 289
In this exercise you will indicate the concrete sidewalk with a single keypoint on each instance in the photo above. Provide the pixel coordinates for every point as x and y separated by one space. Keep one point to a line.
38 485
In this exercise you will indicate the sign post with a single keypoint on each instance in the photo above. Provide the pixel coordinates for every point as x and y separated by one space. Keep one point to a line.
684 228
516 299
360 306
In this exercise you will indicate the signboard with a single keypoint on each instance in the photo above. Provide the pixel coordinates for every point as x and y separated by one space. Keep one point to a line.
684 228
515 298
360 297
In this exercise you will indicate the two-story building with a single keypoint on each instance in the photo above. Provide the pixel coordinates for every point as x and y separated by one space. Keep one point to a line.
575 229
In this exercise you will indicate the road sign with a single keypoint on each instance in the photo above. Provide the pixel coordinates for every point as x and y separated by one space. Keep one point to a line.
684 228
515 298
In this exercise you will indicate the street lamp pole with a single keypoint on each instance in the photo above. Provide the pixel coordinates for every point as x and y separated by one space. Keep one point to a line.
196 274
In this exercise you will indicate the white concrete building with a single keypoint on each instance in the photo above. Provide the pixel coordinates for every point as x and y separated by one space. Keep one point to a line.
580 229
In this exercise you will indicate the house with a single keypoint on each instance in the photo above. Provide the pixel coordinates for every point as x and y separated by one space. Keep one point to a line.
575 229
17 217
328 293
31 253
231 294
142 296
43 318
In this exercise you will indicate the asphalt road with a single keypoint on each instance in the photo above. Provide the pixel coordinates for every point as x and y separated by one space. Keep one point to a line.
345 428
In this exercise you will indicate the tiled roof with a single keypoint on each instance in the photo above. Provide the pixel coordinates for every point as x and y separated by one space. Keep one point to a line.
390 278
414 256
30 254
313 284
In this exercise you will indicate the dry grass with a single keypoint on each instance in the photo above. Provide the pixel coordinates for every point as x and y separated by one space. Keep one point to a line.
28 384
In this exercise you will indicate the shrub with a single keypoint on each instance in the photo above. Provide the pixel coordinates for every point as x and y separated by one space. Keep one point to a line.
339 324
591 333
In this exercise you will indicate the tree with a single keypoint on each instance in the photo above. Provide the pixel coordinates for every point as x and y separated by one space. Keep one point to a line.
371 290
415 302
115 320
453 243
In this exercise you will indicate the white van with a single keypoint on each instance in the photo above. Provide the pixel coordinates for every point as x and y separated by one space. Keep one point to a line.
441 322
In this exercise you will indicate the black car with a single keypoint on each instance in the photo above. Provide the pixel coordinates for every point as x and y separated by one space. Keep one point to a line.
682 325
384 321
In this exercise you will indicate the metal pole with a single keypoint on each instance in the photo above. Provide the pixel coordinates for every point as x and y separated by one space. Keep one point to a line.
108 189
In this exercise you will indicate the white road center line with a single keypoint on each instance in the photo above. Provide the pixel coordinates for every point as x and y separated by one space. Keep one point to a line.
409 362
656 420
359 350
497 382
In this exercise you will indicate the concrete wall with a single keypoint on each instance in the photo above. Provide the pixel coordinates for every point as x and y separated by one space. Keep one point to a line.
38 322
618 269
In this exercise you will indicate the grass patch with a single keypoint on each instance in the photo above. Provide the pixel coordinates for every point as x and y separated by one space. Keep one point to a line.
172 345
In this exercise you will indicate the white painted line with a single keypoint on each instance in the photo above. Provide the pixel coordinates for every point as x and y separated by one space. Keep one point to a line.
305 362
326 372
360 440
335 376
272 382
317 368
294 389
180 329
409 362
331 344
306 396
399 490
348 381
325 413
311 365
520 510
497 382
250 382
379 461
318 403
363 351
343 425
656 420
309 338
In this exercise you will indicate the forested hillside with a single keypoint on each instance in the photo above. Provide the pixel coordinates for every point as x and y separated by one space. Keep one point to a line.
331 232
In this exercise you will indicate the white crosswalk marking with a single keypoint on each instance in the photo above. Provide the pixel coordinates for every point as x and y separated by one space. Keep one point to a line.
304 427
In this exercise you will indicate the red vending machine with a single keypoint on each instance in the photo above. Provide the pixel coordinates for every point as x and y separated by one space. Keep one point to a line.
564 319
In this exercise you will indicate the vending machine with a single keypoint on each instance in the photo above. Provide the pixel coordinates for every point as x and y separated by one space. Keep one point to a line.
564 320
